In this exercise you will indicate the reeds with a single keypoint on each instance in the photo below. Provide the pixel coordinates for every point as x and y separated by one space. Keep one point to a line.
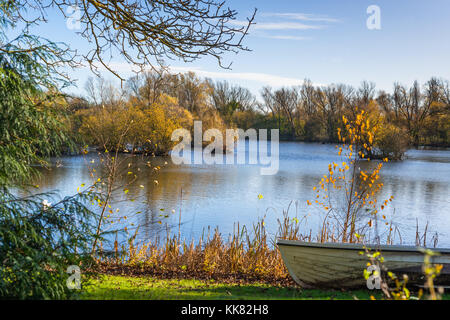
247 255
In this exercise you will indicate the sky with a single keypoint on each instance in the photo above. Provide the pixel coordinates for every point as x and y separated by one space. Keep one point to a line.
326 41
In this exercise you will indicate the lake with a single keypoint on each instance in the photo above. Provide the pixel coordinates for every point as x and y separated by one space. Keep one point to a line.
221 195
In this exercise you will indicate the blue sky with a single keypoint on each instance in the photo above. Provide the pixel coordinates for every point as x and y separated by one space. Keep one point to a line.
326 41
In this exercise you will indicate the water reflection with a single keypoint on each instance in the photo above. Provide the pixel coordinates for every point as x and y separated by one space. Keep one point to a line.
220 195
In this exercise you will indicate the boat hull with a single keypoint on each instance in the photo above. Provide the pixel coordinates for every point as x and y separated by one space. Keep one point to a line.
333 265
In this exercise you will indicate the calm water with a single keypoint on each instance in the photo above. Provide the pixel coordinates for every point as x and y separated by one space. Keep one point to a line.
221 195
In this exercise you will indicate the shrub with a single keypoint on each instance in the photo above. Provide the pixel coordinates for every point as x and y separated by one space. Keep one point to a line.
391 143
38 241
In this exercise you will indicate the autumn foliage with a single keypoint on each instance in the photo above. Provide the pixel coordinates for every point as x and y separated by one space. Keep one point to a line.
348 192
134 127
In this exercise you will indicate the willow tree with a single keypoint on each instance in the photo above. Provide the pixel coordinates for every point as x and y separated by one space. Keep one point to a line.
31 128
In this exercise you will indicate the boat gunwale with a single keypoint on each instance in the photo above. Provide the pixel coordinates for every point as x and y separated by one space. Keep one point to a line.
359 246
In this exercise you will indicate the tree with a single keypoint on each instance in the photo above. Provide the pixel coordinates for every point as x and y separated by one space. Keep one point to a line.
39 240
102 92
309 116
269 106
287 101
348 192
227 99
191 91
138 128
365 94
413 107
31 126
145 32
149 86
331 102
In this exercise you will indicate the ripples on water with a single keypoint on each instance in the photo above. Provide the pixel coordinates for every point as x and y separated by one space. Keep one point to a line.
220 195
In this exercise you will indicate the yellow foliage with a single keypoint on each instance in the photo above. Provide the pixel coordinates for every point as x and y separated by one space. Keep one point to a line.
133 128
359 187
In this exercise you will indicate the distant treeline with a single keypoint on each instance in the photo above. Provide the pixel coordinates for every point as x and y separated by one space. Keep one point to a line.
149 107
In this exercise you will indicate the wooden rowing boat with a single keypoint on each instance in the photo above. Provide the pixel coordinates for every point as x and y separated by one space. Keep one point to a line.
341 265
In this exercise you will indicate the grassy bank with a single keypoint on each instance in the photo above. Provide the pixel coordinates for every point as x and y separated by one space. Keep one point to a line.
143 288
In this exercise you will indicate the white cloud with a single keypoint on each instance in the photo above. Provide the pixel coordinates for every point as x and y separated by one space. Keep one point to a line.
242 77
288 21
277 25
285 37
302 17
264 78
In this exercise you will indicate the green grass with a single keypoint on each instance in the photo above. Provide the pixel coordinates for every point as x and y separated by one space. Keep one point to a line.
139 288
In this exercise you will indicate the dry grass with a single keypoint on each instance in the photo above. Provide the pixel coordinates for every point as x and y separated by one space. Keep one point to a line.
246 256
